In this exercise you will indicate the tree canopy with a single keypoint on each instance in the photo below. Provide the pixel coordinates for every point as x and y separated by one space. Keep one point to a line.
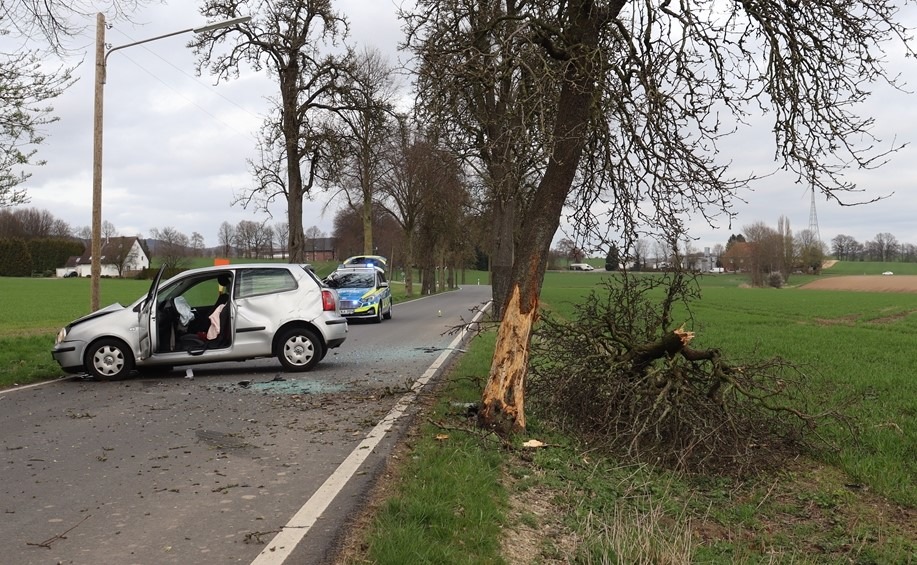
628 104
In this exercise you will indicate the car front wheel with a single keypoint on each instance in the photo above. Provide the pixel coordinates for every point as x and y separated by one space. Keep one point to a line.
109 360
299 350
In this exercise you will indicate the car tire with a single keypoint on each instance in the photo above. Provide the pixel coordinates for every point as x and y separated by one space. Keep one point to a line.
388 313
299 350
378 318
109 360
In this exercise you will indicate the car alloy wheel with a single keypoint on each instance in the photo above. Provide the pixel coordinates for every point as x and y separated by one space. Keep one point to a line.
109 360
300 350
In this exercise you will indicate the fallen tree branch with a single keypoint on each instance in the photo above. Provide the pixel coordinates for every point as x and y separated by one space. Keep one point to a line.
63 535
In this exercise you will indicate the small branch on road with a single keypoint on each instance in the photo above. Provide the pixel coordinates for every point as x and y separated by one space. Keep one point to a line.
255 537
63 535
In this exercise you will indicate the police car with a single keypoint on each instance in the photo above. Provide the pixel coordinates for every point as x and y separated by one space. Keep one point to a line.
363 291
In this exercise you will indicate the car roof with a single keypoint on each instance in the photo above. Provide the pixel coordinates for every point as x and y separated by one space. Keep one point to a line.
377 260
358 268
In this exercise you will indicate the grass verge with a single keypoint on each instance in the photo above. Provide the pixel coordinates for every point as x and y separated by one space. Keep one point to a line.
457 496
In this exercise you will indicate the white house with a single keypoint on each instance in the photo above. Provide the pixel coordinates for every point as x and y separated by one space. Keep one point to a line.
121 257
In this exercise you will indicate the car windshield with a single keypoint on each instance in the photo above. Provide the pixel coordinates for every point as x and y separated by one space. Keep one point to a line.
351 280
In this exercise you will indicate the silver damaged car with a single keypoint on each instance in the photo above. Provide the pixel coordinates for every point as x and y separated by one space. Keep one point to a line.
209 315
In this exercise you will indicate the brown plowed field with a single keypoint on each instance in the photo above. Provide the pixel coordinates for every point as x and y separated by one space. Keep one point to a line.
866 283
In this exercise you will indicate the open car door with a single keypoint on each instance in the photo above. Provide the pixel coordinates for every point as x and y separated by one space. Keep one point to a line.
146 318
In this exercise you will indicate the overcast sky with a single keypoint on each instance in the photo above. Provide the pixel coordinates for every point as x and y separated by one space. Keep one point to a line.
175 145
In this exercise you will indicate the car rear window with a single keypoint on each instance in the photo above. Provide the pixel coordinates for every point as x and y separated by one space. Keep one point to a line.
254 282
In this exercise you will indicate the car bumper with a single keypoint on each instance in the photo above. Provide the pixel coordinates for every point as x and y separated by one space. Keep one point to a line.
335 332
69 355
363 312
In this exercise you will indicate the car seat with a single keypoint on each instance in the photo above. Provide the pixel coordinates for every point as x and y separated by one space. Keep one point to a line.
197 343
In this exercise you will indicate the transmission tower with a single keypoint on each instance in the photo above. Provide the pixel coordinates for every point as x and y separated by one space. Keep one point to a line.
813 217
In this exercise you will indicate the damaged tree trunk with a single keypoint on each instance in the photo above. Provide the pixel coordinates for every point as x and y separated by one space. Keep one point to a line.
502 403
502 407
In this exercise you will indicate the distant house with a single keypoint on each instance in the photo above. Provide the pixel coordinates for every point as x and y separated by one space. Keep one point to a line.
320 249
121 257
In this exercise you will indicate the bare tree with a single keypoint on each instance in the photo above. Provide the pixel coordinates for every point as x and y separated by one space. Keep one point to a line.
248 238
109 230
885 246
361 124
415 167
171 247
225 237
478 88
55 21
810 252
288 39
83 232
31 223
312 235
630 107
787 247
844 247
282 235
197 243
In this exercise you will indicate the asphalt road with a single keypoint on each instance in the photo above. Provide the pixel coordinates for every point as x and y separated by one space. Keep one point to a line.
220 468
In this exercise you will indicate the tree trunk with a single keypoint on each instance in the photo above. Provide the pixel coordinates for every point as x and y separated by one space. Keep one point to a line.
502 407
501 266
294 188
502 403
409 263
368 248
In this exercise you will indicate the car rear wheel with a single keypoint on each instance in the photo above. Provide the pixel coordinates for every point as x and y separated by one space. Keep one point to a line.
299 350
109 360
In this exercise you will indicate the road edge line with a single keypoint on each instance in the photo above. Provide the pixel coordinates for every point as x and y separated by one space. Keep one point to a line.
285 542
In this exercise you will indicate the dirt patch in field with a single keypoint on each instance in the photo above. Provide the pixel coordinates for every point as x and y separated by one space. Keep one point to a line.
866 283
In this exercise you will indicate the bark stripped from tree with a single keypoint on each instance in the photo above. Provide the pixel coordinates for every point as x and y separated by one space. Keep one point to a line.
502 407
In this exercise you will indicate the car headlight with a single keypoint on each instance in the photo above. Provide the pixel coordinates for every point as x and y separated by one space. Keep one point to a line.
61 335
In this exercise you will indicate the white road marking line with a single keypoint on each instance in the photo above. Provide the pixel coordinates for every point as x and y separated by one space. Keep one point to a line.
283 544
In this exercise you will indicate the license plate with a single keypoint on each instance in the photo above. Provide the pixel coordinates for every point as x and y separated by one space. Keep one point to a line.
345 312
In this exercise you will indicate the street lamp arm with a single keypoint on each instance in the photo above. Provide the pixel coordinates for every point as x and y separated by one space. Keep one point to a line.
202 29
113 49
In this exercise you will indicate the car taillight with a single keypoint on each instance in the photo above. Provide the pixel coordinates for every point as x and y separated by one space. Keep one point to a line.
328 304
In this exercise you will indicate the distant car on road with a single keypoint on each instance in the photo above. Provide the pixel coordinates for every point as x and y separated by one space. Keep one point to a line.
209 315
364 291
887 273
581 267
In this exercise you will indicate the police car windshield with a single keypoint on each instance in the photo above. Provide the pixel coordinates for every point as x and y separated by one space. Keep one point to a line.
351 280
